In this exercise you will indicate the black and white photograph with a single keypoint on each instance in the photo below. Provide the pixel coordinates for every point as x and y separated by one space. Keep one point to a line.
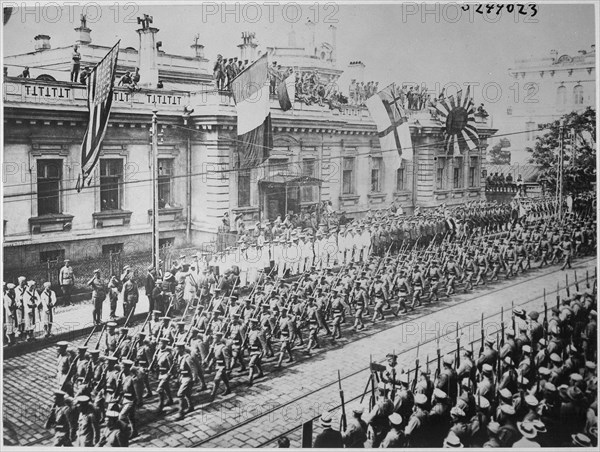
299 224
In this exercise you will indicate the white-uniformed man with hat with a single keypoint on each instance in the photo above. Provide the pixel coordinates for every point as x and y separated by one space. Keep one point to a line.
32 304
48 302
395 436
355 435
415 431
187 377
20 304
9 306
164 362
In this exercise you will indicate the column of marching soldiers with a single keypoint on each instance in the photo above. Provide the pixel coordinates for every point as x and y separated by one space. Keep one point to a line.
216 332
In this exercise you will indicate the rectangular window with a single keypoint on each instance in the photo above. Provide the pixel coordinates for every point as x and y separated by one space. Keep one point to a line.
376 166
111 180
244 188
348 176
308 169
167 241
52 255
400 179
49 175
473 171
112 248
277 166
440 173
457 173
165 174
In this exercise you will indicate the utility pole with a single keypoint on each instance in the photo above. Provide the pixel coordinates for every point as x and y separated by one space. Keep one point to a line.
560 169
155 216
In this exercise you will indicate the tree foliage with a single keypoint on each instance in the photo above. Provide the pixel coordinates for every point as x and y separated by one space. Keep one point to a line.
496 156
579 158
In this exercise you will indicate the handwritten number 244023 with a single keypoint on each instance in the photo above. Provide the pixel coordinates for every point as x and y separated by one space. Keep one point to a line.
530 9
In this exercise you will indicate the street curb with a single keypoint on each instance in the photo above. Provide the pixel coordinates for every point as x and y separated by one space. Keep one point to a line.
23 348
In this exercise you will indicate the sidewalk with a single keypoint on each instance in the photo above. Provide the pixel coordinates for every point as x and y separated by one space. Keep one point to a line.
72 321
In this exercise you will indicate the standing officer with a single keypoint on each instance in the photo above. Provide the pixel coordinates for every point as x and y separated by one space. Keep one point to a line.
66 279
98 295
130 296
32 302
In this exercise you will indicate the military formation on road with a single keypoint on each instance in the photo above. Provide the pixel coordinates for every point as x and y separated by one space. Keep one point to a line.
223 330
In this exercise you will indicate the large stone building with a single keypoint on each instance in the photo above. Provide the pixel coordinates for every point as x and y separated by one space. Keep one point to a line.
547 88
319 154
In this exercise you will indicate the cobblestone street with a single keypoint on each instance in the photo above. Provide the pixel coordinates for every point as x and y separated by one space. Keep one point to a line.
284 399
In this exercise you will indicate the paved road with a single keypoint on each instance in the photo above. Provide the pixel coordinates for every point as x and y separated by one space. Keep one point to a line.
286 398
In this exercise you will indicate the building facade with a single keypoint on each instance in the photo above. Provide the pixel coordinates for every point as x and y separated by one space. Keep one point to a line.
320 154
547 88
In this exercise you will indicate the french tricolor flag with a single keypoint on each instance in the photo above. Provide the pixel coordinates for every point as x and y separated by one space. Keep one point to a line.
251 94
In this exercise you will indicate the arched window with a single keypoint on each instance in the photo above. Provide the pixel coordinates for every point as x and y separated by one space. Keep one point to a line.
45 78
578 95
561 95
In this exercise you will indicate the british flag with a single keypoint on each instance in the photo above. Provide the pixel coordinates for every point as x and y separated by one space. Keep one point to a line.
100 85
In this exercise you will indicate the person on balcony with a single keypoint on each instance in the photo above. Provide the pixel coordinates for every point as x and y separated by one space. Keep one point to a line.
76 60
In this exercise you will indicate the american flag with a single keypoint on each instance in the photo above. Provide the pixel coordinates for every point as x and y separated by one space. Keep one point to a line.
100 84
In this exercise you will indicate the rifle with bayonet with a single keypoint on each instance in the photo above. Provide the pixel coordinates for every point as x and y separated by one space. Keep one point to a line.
343 424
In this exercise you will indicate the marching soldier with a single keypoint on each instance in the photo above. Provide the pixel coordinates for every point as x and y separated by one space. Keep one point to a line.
380 294
255 347
196 355
452 271
81 376
337 309
129 398
164 362
88 429
116 433
221 357
111 339
358 297
566 246
187 377
60 419
63 368
285 336
237 333
418 284
433 276
143 356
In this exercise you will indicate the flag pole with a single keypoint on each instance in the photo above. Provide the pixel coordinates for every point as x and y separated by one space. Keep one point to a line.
155 216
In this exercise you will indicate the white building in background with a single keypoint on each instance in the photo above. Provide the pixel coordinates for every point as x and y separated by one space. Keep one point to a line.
547 88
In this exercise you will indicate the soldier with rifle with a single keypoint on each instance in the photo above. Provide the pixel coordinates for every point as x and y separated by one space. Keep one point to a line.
164 362
255 347
60 418
285 337
380 294
129 398
187 377
358 298
418 283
